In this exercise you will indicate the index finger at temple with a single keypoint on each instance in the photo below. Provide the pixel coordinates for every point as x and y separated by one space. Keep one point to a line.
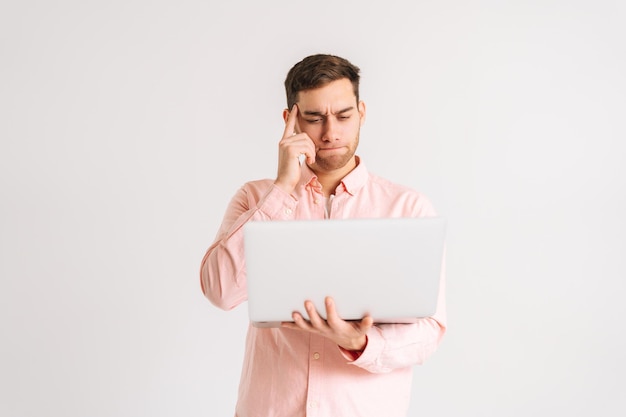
297 122
291 122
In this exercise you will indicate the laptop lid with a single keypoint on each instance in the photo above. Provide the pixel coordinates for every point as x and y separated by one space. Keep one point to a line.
389 268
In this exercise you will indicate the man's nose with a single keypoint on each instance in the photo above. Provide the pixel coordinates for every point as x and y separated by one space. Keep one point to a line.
330 130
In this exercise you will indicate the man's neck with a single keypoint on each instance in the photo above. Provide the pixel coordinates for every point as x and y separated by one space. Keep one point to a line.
329 185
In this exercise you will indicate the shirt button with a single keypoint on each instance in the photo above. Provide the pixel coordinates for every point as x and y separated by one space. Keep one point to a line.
288 211
316 201
316 356
313 404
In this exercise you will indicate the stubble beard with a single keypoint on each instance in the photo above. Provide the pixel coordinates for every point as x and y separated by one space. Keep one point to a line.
335 162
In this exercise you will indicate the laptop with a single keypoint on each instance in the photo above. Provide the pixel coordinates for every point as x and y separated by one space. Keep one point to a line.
389 268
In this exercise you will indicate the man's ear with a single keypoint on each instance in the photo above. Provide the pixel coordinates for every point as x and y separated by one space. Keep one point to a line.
362 111
285 115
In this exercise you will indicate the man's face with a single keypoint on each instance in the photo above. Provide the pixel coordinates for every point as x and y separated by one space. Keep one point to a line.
332 118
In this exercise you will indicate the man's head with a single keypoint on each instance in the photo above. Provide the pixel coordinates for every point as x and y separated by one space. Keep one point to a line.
324 91
316 71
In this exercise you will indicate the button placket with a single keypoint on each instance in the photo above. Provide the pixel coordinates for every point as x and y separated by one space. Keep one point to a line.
316 369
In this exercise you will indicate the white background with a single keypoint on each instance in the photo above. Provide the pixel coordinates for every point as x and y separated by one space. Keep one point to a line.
126 126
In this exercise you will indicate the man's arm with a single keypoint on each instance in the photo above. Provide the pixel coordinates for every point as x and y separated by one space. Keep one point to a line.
378 348
392 346
222 271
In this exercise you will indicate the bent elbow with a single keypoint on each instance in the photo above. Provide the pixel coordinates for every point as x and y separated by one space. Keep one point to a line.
215 292
219 300
427 349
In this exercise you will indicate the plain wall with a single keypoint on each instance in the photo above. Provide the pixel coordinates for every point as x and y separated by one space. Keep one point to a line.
126 127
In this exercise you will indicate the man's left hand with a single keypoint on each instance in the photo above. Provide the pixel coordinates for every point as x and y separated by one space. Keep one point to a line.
350 335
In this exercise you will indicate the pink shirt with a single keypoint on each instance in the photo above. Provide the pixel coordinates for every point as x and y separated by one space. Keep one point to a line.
290 373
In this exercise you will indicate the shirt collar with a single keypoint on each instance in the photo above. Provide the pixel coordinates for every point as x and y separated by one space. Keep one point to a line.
352 183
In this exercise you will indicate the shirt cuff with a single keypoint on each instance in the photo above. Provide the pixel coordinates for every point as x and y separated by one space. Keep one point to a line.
277 204
373 348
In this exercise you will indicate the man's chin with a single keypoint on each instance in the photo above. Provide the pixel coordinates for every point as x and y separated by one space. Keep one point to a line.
332 163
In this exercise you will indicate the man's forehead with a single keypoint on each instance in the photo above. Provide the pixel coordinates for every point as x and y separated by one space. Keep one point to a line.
336 94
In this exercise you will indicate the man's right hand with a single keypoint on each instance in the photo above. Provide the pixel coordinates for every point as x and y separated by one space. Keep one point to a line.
293 144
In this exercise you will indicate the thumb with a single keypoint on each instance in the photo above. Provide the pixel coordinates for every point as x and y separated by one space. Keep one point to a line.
366 324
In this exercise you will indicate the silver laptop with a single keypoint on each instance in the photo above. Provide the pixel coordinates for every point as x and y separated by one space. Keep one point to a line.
388 268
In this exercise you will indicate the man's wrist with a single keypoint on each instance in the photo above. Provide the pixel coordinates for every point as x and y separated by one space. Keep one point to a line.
287 188
355 354
358 345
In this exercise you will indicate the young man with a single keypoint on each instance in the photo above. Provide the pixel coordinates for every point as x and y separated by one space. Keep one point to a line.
318 367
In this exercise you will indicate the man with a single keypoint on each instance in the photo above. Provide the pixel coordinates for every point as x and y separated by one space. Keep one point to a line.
312 366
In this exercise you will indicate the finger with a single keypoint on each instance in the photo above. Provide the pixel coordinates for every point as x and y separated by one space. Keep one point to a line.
297 122
331 312
299 145
366 324
314 318
310 154
290 126
300 322
289 325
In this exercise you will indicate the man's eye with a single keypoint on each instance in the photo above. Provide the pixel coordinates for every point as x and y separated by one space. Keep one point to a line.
344 117
313 120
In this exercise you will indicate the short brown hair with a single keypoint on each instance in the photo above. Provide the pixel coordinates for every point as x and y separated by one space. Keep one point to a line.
316 71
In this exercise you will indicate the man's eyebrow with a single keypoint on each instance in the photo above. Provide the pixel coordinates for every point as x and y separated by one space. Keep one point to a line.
347 109
320 114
